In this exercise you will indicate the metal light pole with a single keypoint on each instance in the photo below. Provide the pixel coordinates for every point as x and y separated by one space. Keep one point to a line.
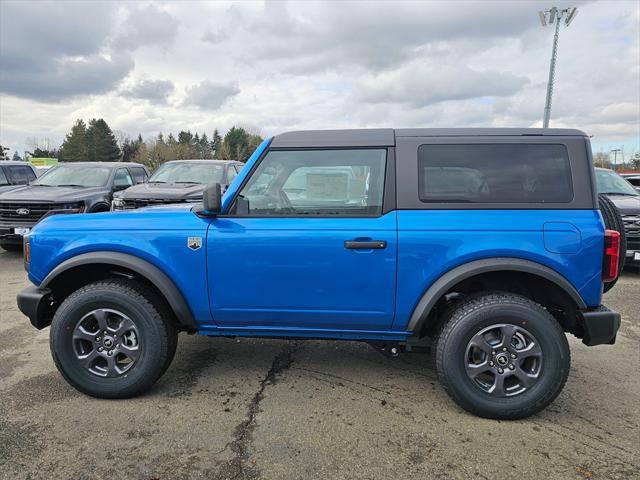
615 157
549 17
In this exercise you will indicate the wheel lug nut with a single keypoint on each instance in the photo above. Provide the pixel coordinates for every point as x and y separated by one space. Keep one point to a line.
491 364
97 339
500 370
110 352
511 366
504 349
513 355
493 353
100 349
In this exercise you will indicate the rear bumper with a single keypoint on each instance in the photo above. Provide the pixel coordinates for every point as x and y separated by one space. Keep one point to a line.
600 326
35 303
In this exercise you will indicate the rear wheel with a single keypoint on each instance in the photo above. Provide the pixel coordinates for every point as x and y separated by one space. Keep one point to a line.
502 356
110 340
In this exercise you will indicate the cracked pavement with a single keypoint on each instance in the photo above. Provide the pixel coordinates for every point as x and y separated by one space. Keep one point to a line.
275 409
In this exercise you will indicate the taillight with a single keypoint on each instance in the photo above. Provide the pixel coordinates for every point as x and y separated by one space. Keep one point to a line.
611 255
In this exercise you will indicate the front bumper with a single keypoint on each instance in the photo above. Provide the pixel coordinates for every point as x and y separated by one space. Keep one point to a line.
600 326
8 231
36 304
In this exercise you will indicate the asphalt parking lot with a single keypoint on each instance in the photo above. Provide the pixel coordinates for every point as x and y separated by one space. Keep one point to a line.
272 409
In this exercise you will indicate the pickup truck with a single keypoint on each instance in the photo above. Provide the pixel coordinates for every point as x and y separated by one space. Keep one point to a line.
484 246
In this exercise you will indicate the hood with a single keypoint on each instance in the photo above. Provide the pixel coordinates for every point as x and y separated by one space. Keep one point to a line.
38 193
7 188
164 191
169 217
627 204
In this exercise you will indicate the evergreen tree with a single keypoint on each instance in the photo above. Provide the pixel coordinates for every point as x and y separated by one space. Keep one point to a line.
205 147
216 144
101 142
171 140
185 138
74 147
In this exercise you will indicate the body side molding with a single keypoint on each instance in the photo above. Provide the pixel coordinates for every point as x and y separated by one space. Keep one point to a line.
149 271
476 267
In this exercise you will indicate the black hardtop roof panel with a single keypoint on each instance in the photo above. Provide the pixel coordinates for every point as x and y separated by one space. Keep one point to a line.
371 137
488 132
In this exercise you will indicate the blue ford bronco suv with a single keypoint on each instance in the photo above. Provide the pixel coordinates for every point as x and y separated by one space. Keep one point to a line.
484 245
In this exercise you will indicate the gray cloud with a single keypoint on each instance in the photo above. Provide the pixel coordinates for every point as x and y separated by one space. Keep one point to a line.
156 91
208 95
147 26
421 84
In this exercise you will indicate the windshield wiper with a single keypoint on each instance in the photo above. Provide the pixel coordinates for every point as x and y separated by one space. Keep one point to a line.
621 193
69 185
193 183
157 181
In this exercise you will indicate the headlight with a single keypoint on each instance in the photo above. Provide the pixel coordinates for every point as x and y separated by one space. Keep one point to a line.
117 204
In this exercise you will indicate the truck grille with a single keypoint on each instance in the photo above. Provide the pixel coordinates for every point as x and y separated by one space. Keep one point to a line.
30 212
133 203
632 229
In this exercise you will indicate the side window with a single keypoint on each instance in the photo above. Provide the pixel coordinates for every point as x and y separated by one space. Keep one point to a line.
494 173
139 174
316 182
21 174
231 174
122 178
3 178
238 168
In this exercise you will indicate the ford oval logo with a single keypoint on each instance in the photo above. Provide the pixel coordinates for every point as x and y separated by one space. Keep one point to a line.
23 211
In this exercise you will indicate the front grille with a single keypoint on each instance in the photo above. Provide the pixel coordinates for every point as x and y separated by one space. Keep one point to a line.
31 211
632 229
133 203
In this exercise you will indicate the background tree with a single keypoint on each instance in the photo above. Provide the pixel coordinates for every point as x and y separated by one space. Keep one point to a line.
601 159
216 144
101 143
74 148
635 161
238 144
3 153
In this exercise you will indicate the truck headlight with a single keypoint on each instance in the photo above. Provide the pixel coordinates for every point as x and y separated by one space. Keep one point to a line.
117 204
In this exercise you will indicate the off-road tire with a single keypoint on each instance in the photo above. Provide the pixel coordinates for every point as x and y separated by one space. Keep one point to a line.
480 311
157 332
613 221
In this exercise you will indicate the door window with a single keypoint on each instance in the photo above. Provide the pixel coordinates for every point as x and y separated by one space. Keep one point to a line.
3 177
316 182
21 174
122 179
139 174
231 174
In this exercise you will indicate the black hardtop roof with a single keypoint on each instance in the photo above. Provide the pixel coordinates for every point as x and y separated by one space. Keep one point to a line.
385 137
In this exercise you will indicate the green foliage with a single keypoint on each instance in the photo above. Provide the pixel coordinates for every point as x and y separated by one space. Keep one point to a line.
74 147
155 152
101 142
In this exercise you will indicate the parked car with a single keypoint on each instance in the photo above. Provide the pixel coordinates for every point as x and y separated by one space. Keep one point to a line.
633 179
627 200
491 273
66 188
177 181
14 174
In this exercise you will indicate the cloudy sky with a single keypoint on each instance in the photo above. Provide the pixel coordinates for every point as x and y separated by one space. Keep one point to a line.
275 66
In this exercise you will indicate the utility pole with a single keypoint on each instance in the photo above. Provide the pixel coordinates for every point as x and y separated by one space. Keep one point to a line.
549 17
615 157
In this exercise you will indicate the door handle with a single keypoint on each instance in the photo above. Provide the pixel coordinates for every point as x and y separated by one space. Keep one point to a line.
365 244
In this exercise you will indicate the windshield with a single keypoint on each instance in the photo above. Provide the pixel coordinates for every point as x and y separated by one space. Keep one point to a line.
75 175
204 173
612 183
3 177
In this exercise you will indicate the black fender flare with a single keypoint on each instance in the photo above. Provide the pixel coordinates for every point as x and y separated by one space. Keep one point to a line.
97 205
470 269
150 272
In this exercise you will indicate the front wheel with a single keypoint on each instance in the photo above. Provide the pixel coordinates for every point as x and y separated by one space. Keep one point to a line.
502 356
110 339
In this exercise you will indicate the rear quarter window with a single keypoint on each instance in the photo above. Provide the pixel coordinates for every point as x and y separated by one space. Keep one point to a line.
494 173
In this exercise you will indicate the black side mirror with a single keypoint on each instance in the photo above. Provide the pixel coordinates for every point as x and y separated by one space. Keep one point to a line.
212 198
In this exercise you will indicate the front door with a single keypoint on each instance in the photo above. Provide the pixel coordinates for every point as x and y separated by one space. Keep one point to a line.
307 244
